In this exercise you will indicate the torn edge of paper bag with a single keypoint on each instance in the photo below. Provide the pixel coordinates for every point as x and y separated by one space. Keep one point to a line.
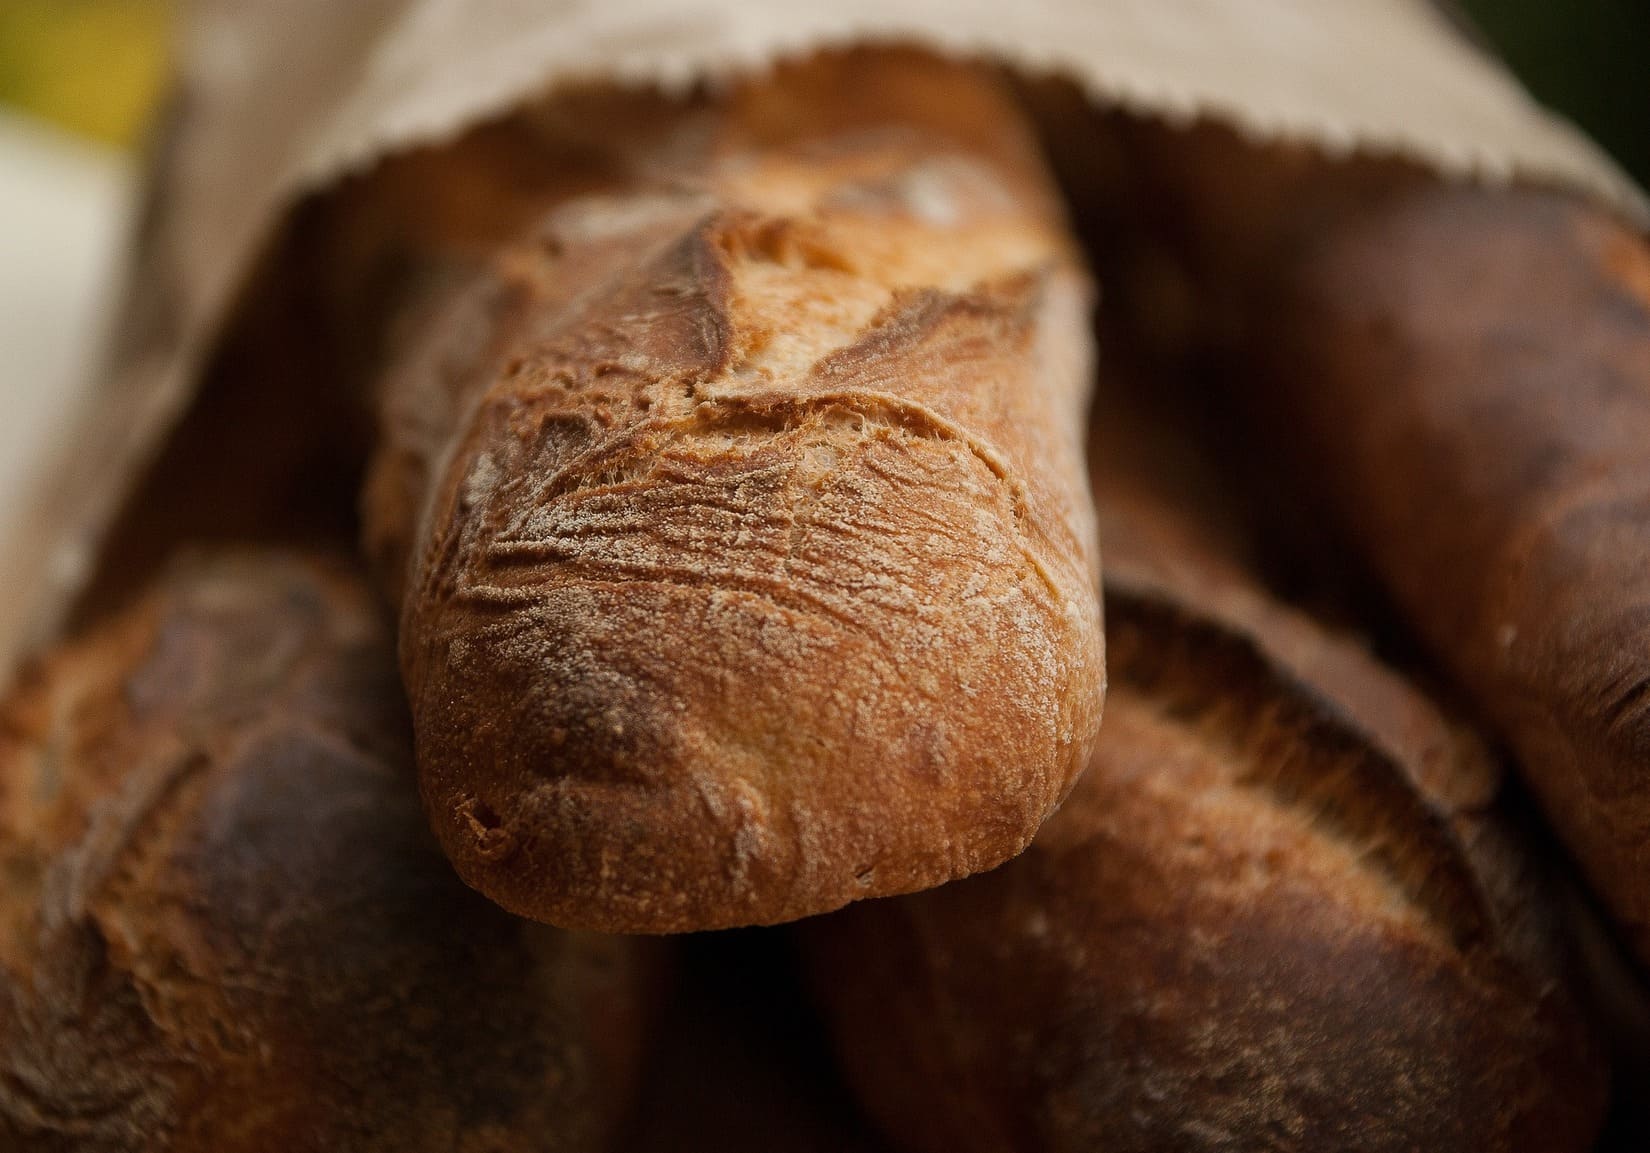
280 97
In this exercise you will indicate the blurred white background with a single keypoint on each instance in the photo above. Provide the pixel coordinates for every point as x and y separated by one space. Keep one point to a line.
63 208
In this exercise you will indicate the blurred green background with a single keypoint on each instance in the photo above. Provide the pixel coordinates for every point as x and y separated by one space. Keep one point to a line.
96 65
1588 58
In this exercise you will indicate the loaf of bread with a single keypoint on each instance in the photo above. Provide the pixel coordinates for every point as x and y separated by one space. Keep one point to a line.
735 507
1463 376
224 925
1281 911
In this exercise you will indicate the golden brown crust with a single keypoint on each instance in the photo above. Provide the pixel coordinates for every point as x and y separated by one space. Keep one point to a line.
748 567
224 927
1280 910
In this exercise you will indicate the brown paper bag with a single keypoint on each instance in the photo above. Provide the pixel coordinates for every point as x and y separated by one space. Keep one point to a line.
276 98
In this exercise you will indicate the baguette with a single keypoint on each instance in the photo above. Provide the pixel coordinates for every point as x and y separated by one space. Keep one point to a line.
1463 375
225 927
1280 911
735 508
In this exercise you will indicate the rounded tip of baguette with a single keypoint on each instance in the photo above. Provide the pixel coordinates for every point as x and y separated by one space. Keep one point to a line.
751 764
